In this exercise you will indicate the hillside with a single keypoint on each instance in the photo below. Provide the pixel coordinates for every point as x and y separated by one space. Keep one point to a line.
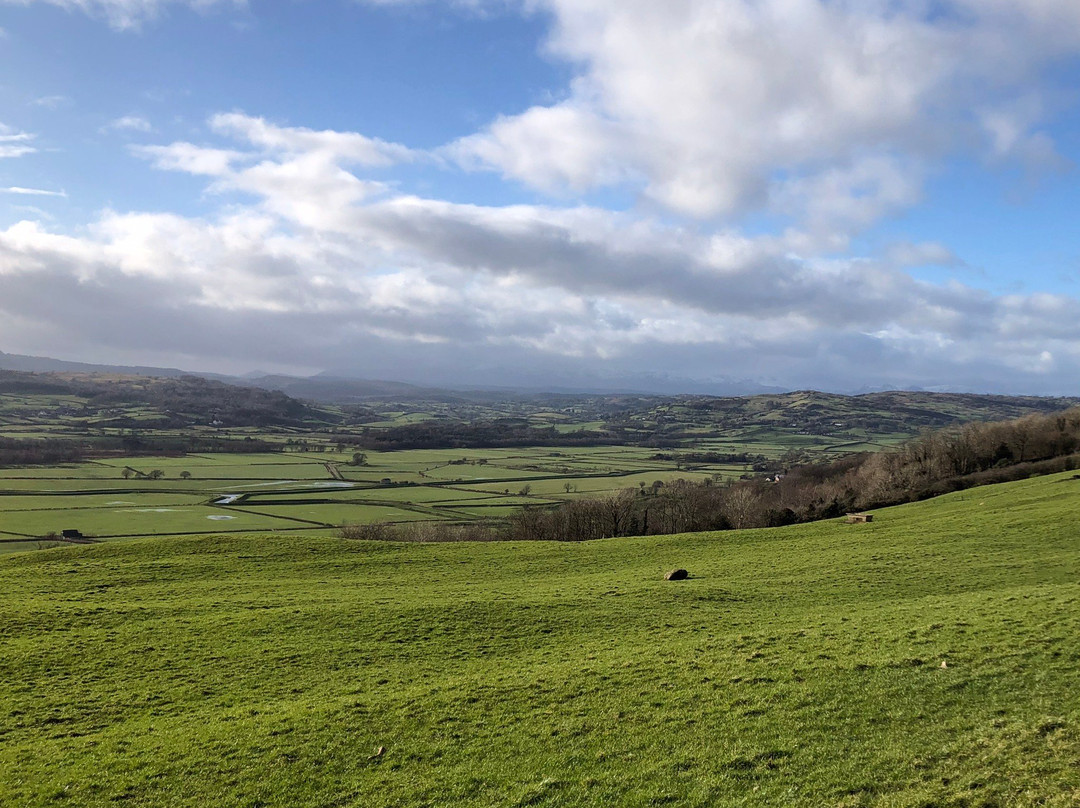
399 416
929 658
103 401
45 364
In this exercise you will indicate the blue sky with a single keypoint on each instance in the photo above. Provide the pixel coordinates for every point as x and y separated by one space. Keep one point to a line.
417 75
794 193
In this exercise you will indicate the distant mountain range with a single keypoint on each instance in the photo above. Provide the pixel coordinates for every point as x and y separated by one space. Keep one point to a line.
324 388
339 388
44 364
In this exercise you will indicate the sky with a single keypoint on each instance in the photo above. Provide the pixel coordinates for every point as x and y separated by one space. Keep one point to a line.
694 195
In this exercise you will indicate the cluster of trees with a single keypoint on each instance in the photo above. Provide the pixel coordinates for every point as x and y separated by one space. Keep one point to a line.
932 464
176 446
940 461
155 474
38 452
62 450
758 461
678 507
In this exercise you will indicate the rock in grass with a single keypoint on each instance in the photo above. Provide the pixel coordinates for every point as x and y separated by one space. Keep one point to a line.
677 575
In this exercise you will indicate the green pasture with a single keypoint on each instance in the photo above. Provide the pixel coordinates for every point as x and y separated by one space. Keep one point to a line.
80 471
413 493
583 426
17 503
591 485
276 466
33 499
143 520
341 514
486 472
94 485
930 658
262 471
377 508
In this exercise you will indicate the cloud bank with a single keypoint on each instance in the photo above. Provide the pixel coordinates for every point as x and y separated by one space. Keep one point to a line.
825 117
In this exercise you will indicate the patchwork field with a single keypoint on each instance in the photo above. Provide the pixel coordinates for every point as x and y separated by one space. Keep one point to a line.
930 658
115 498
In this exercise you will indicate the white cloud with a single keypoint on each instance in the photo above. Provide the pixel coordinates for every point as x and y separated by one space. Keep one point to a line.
51 101
299 173
15 144
343 147
15 189
326 268
130 123
549 148
189 158
127 14
718 107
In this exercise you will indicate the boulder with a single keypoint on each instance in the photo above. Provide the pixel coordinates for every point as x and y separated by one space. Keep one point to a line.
677 575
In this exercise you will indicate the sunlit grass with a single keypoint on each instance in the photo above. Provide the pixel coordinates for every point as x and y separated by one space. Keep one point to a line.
799 666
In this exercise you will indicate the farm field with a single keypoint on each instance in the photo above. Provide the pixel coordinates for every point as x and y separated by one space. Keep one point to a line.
295 491
928 658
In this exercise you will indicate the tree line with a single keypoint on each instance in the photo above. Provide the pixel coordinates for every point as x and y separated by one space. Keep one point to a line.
51 451
39 452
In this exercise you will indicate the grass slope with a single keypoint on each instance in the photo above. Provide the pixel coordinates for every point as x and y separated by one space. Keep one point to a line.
798 666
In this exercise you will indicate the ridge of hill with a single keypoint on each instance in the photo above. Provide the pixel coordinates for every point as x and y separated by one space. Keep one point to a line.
164 402
45 364
927 658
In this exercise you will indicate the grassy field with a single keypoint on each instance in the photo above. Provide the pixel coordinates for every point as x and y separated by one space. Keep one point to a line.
295 491
931 658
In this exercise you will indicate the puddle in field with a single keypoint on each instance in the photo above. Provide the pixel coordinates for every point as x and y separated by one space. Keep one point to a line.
121 502
219 518
156 510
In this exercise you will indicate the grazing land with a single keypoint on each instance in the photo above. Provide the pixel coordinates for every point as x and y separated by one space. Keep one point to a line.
116 456
931 657
301 492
